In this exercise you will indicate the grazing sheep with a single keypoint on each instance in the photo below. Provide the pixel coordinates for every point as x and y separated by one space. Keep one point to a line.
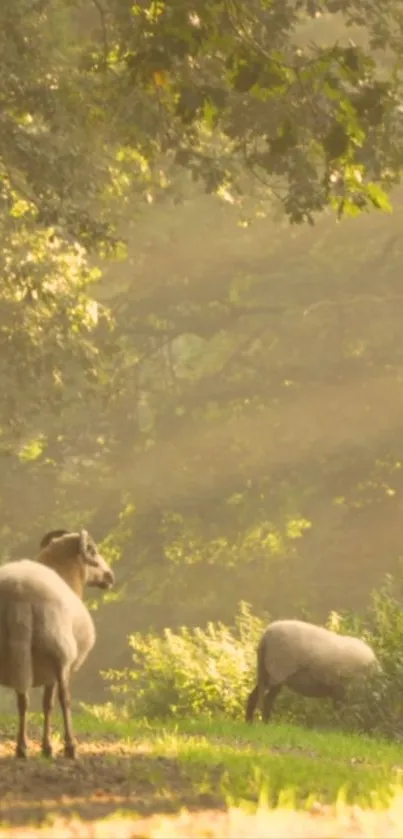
46 631
309 659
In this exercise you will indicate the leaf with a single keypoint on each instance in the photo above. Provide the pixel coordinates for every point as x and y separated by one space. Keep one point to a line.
379 198
160 78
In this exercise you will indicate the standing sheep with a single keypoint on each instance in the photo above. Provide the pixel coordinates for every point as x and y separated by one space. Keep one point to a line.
46 631
309 659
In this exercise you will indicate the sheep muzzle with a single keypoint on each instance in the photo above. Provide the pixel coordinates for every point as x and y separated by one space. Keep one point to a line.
99 574
107 581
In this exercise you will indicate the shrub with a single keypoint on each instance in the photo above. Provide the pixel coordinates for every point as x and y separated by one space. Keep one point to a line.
380 708
208 672
193 671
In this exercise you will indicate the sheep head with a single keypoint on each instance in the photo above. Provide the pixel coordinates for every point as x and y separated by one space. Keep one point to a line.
98 571
76 553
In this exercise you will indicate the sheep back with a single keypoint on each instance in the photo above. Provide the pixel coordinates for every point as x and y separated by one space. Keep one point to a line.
289 647
44 626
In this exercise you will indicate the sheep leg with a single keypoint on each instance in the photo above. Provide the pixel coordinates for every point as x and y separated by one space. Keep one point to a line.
338 699
22 704
268 702
251 704
47 706
64 700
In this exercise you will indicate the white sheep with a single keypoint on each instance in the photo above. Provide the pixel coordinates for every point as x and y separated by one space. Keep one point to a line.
309 659
46 631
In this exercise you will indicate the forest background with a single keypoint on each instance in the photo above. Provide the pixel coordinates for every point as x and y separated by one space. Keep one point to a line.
200 323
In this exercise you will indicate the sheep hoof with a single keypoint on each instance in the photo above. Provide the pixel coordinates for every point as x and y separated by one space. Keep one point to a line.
70 751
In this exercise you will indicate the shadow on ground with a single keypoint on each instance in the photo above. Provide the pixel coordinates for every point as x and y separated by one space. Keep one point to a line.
109 775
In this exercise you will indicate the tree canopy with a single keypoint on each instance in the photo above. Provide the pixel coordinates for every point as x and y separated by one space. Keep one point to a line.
239 94
96 94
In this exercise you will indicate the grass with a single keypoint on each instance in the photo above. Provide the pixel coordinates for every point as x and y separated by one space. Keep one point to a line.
281 757
220 771
284 757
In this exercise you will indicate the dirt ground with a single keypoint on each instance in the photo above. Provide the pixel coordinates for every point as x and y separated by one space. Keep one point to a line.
67 799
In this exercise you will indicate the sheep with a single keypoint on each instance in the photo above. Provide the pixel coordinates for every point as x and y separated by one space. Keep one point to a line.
309 659
46 631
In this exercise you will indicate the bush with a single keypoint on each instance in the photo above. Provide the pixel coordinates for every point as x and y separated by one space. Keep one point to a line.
208 672
380 708
194 671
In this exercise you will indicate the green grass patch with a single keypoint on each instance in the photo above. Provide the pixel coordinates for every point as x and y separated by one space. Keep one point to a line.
142 768
235 762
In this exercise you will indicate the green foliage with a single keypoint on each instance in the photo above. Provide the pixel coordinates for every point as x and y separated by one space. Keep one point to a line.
193 671
215 68
382 627
201 89
52 160
207 672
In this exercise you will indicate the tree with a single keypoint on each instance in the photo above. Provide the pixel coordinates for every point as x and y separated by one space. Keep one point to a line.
236 93
54 170
102 98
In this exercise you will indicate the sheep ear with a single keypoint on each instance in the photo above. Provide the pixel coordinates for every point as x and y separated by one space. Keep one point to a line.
83 543
53 534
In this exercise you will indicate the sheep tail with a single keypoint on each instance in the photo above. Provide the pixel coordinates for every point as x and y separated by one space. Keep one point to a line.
17 644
